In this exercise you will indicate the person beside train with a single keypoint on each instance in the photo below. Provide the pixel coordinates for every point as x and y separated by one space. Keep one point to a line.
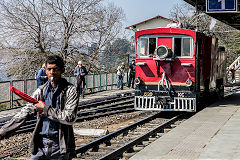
232 70
41 76
120 75
131 78
80 72
53 136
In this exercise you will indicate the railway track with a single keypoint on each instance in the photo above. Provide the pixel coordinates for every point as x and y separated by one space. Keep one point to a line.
118 105
124 142
119 144
86 111
14 150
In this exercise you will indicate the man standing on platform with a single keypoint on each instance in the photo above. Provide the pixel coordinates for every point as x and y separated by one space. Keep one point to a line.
120 75
131 78
41 76
53 136
80 72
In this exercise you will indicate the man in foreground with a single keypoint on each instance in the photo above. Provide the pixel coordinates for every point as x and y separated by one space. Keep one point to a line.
53 136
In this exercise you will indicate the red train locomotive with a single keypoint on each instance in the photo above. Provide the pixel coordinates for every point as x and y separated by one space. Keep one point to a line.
176 69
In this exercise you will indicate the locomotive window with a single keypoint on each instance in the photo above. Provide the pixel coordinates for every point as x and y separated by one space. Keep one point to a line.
186 49
152 46
144 47
147 46
177 46
183 47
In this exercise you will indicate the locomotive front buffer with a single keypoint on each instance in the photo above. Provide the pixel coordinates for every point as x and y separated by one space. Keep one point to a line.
165 101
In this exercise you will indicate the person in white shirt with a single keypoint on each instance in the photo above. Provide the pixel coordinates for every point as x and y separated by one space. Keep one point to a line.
120 75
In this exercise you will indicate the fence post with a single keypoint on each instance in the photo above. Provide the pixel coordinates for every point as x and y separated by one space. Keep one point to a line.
100 79
112 82
127 78
69 79
25 86
86 81
11 95
106 82
93 82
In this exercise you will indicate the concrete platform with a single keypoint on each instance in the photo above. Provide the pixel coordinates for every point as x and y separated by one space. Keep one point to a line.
87 99
213 133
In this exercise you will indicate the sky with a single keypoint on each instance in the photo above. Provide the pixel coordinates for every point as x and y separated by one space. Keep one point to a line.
140 10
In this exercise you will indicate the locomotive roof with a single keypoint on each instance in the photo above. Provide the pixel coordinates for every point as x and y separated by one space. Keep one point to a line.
166 31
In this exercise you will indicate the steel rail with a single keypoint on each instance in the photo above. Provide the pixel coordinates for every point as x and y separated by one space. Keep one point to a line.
14 150
127 108
106 139
136 141
103 109
115 99
85 115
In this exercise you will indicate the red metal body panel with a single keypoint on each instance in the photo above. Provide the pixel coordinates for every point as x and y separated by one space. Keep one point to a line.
176 73
166 41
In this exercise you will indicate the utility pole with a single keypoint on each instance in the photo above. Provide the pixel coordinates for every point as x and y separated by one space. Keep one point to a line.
196 8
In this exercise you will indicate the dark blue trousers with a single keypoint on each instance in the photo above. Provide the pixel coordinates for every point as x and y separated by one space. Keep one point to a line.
49 150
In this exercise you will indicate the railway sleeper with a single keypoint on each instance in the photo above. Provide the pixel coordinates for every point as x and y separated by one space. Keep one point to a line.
108 148
166 130
146 142
138 148
135 133
145 129
117 141
174 125
151 139
160 134
132 136
93 155
127 155
179 122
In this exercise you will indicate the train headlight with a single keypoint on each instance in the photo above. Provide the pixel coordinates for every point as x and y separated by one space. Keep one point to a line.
189 82
163 52
137 81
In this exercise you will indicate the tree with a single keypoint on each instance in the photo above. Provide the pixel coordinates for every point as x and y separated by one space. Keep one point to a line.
33 29
24 26
116 52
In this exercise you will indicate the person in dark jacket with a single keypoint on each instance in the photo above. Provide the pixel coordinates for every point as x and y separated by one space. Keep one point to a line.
41 76
80 72
53 136
232 70
131 78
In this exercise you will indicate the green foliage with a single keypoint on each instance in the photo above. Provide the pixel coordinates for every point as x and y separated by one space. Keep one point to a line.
4 106
116 53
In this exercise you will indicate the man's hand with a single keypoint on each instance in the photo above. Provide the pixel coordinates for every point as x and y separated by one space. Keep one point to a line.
82 74
39 106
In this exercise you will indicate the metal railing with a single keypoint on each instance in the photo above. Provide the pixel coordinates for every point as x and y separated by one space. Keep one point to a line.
235 64
94 83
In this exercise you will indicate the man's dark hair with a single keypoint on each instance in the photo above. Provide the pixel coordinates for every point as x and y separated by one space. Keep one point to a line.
55 59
